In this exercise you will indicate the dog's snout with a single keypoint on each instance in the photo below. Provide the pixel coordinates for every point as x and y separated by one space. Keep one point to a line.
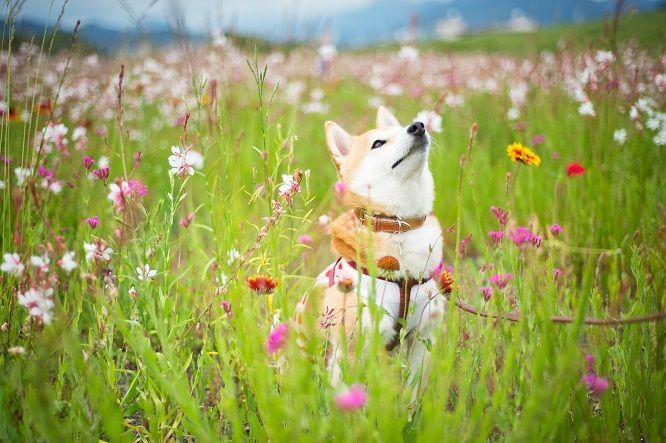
416 128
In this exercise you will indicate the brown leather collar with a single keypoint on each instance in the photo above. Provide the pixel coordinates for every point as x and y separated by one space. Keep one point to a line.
388 223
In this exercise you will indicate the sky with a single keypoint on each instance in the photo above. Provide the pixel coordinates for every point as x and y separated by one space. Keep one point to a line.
200 15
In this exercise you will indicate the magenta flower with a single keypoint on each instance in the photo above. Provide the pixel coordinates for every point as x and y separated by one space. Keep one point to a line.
92 221
487 292
496 236
500 280
340 188
597 385
137 187
555 229
226 307
305 239
522 235
556 273
538 139
500 214
277 338
352 399
88 162
187 221
102 173
44 172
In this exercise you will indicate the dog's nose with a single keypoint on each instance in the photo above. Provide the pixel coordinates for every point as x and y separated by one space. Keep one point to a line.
416 128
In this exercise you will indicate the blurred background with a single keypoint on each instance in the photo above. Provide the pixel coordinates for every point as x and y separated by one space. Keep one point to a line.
110 25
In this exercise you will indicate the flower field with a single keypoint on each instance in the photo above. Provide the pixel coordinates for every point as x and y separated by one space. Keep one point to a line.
164 211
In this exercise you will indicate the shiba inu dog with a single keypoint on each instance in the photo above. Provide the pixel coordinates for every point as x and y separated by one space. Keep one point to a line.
389 226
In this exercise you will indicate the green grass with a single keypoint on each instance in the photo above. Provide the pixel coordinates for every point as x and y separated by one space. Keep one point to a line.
162 367
646 30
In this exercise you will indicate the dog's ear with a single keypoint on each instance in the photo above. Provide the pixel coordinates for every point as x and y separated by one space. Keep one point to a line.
385 119
338 141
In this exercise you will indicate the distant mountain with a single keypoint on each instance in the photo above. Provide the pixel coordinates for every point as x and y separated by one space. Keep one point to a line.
106 39
381 20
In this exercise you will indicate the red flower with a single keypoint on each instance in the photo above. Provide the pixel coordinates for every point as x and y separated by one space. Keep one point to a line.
262 284
575 168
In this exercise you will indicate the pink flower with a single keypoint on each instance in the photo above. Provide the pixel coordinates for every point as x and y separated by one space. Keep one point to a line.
138 188
501 215
102 173
555 229
226 306
92 221
138 155
500 280
340 188
589 363
88 162
437 271
556 273
277 338
44 172
538 139
352 399
487 292
496 236
185 222
522 235
463 244
597 385
305 239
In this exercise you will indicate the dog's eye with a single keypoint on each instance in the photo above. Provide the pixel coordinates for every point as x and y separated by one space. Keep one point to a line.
378 144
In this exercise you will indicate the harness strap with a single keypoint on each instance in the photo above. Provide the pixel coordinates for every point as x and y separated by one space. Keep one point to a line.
405 286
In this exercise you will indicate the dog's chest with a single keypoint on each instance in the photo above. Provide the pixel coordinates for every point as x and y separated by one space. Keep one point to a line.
418 251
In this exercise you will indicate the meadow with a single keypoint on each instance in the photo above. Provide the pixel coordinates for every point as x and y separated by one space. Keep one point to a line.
141 193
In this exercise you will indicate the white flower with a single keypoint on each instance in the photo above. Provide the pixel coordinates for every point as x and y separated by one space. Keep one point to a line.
633 113
431 120
67 262
22 175
39 303
314 107
586 109
653 123
78 133
408 53
54 186
40 262
604 57
103 162
660 138
12 264
513 114
620 136
327 52
184 161
288 184
232 255
2 184
146 273
97 251
324 219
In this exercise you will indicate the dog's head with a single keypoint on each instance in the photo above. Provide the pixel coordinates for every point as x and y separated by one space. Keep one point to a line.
386 168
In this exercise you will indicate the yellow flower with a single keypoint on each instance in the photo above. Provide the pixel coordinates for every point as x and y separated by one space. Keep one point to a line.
523 154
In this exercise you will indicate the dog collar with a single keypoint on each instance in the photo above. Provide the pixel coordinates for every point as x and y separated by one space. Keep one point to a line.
388 223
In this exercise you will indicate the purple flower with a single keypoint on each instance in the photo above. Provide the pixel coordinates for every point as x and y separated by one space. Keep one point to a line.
555 229
487 292
277 338
352 399
226 306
